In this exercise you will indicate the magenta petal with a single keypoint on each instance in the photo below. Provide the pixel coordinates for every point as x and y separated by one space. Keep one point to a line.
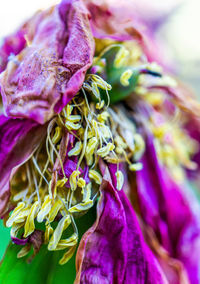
48 73
168 209
113 249
12 44
18 140
18 241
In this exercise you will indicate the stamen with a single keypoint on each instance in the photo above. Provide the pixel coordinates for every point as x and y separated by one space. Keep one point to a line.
126 75
44 211
135 167
62 225
58 134
104 151
29 225
95 176
120 179
73 180
76 150
15 212
121 57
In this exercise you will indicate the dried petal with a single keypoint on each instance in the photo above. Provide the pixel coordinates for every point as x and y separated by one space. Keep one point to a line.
52 68
116 255
17 143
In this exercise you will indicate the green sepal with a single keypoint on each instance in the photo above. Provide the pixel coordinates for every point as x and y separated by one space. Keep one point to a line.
113 74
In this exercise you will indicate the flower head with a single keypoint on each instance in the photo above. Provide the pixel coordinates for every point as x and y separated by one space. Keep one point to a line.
106 127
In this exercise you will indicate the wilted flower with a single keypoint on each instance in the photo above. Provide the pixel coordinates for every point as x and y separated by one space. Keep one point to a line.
92 121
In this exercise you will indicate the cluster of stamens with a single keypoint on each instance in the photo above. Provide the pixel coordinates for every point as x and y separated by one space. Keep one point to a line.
62 179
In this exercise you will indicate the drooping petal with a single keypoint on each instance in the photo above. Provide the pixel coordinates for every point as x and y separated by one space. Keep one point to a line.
18 140
113 249
50 70
170 210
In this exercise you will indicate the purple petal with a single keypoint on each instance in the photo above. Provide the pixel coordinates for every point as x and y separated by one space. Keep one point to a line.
51 70
113 249
12 44
167 208
20 242
18 140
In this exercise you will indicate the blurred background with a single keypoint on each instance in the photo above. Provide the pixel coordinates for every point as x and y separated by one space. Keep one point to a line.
179 32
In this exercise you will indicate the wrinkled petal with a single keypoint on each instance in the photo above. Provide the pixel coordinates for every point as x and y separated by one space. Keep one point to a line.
117 255
45 76
12 44
17 143
171 211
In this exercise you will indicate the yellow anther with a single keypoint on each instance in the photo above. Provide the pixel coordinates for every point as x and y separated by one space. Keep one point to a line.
126 75
74 118
94 124
103 116
44 211
91 133
81 182
76 150
14 214
15 229
100 105
139 146
91 145
62 225
135 167
95 90
61 182
105 131
89 159
104 151
73 179
57 135
121 57
67 255
21 217
86 191
54 210
20 195
48 233
120 179
101 83
72 126
69 242
120 142
69 110
119 150
95 176
30 225
81 206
